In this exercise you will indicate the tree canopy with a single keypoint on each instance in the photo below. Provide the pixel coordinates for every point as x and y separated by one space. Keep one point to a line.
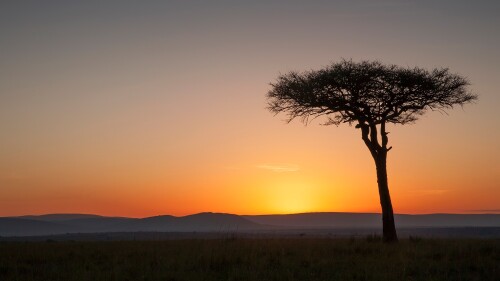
367 92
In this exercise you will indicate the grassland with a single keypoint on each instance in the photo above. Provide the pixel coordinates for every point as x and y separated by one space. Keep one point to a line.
252 259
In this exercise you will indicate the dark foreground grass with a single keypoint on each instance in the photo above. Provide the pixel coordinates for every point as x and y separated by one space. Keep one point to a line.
252 259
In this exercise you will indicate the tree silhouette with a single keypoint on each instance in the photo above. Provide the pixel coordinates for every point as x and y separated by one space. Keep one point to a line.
370 95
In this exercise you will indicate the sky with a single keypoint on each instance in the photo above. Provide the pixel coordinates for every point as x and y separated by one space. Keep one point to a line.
142 108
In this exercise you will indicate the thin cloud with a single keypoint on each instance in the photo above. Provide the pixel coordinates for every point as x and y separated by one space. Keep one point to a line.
279 168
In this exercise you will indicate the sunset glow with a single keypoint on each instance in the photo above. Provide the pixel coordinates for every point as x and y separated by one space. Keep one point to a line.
133 110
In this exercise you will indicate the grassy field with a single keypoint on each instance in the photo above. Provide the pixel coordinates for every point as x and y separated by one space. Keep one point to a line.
252 259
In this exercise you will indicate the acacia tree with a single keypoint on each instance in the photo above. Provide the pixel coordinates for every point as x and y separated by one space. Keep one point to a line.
370 95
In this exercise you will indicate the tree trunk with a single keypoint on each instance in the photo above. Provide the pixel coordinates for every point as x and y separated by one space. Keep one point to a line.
389 228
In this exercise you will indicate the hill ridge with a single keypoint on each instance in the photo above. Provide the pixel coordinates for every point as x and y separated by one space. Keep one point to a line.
217 222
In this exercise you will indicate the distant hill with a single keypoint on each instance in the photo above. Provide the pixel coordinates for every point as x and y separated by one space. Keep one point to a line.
63 223
374 220
30 227
228 223
448 220
320 220
59 217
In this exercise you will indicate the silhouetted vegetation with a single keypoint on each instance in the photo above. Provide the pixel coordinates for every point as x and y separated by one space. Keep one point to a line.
253 259
370 95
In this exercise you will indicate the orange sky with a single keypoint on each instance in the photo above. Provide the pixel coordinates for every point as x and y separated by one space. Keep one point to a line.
159 108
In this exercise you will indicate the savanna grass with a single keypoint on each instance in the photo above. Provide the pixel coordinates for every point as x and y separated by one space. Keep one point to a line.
253 259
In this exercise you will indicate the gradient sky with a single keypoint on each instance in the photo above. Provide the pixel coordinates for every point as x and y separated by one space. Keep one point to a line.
140 108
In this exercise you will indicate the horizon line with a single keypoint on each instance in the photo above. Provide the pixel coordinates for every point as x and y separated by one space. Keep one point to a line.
243 215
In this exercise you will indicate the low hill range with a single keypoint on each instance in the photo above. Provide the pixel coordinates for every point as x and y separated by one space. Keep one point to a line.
329 222
79 223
